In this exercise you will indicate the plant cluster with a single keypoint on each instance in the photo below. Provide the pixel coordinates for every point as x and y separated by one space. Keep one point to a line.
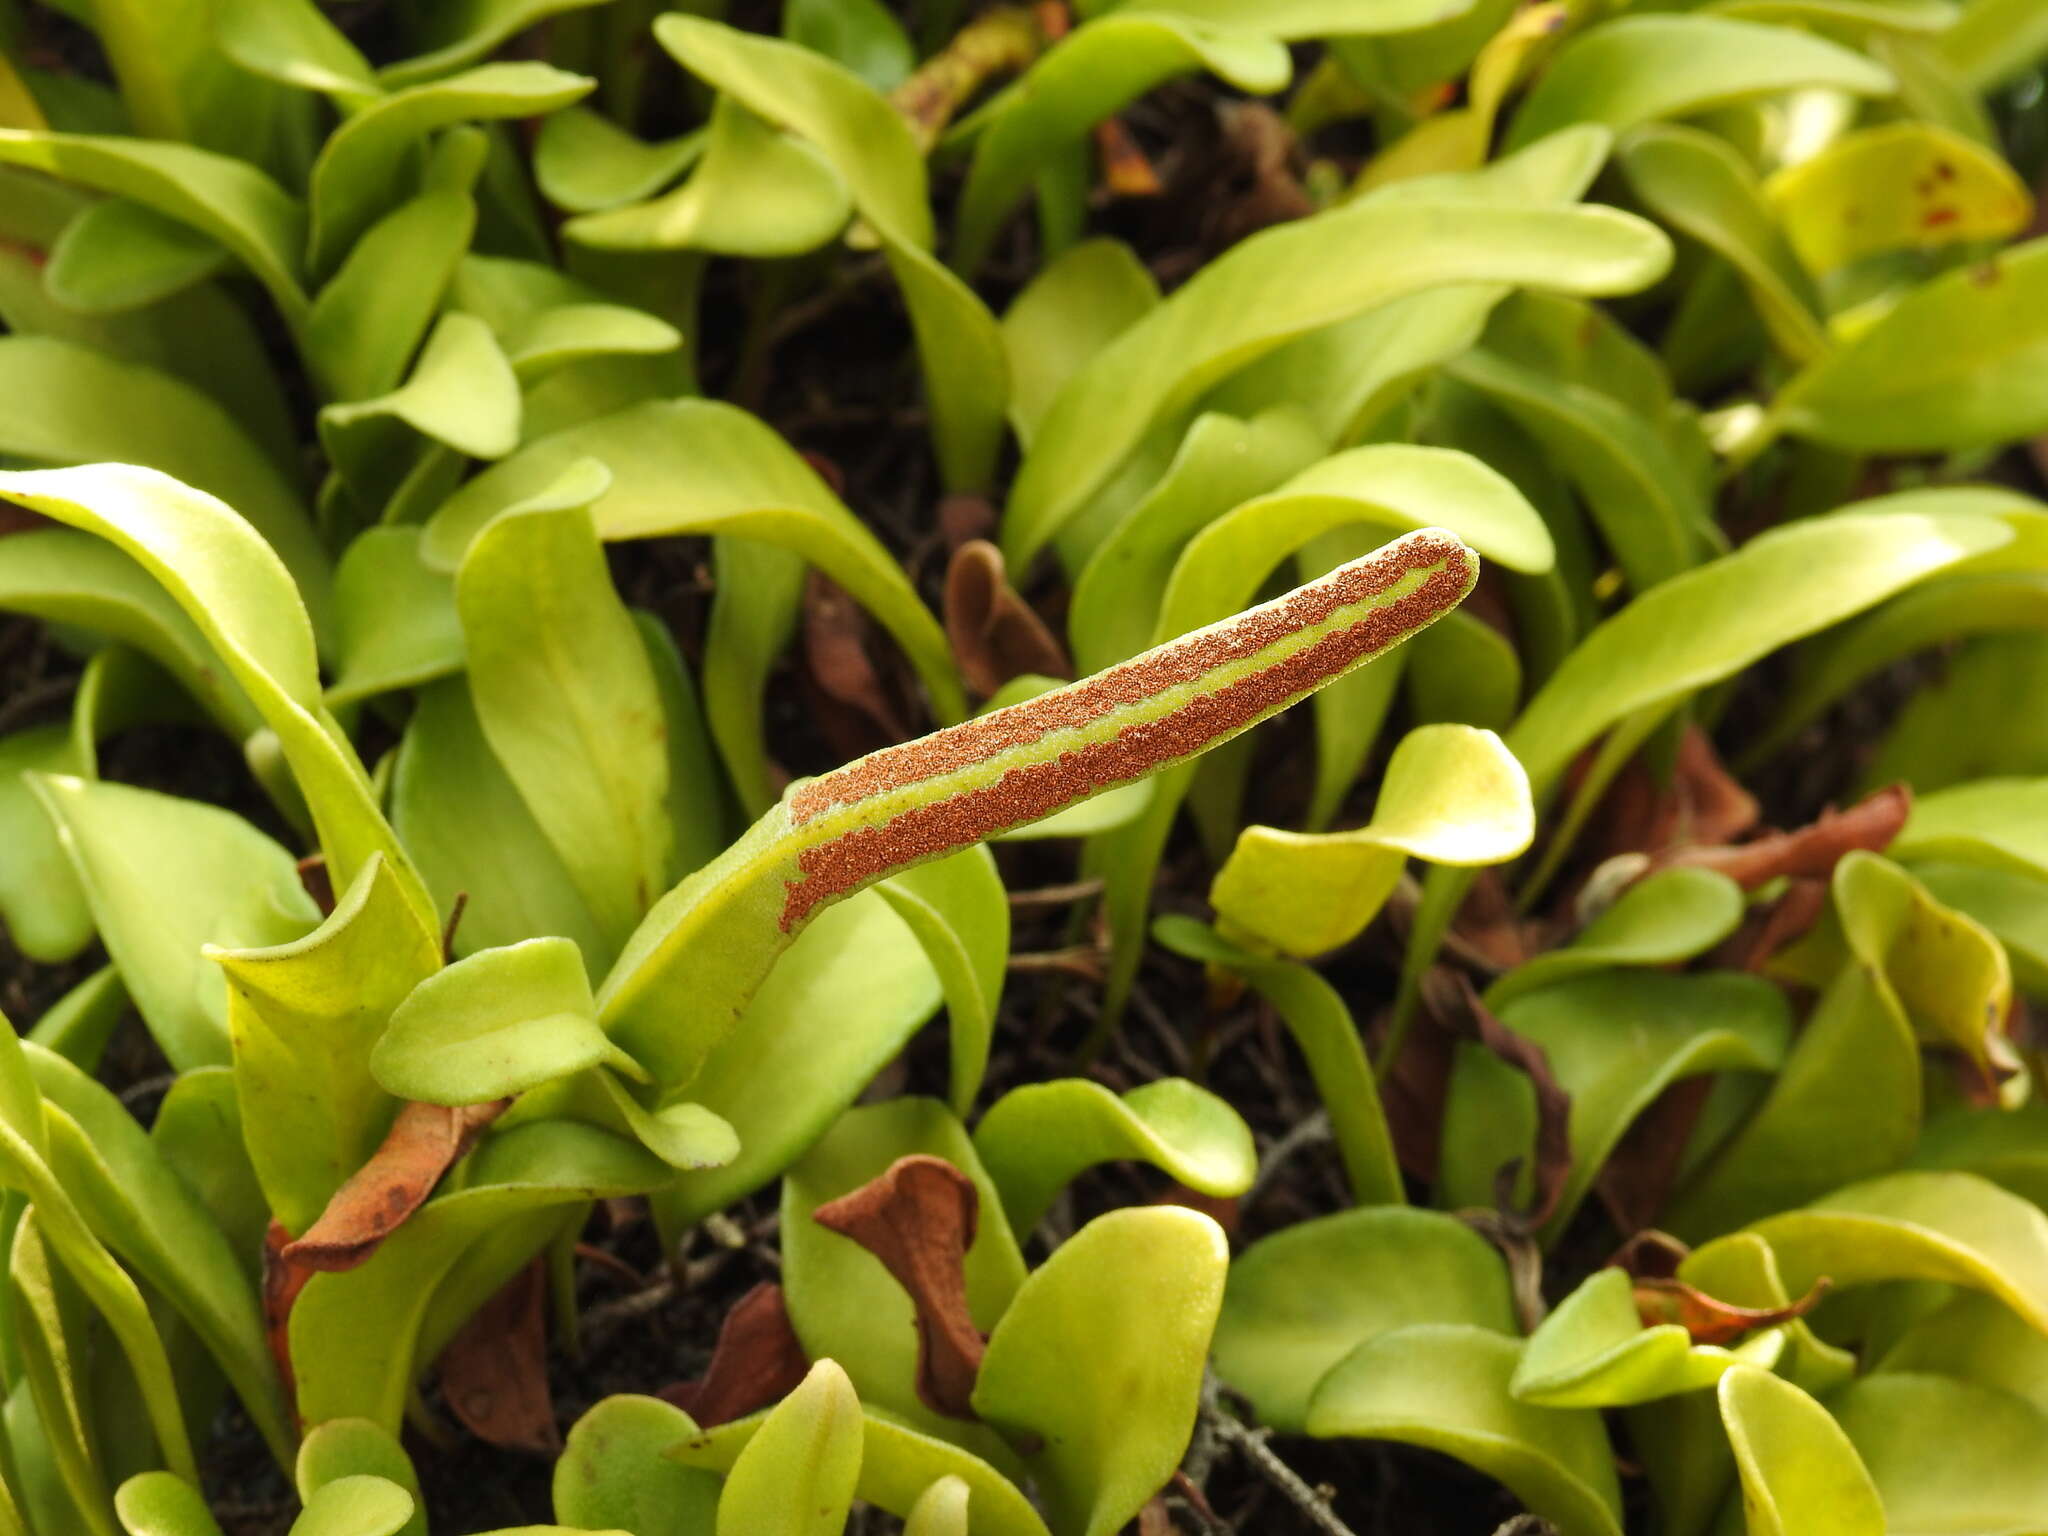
637 563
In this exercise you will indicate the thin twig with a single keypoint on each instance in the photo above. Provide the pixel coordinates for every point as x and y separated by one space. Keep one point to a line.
1058 895
1251 1443
1311 1132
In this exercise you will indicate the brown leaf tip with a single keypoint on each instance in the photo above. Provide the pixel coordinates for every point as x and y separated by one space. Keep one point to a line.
919 1216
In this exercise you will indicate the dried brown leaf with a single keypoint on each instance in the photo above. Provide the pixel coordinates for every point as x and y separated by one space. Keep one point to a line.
1453 1002
494 1374
918 1216
282 1281
1710 1321
1126 172
857 712
1701 803
1811 851
758 1360
995 634
422 1144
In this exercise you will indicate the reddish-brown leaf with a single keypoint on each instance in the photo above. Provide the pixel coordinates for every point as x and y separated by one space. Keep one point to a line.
1767 930
422 1144
1811 851
1701 803
282 1281
1221 1209
494 1373
995 634
1710 1321
918 1217
855 709
1637 1179
966 515
758 1360
1453 1001
1125 170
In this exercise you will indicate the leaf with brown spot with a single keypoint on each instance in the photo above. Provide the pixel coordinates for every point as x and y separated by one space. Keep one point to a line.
995 634
422 1144
1710 1321
757 1361
494 1373
1811 851
918 1216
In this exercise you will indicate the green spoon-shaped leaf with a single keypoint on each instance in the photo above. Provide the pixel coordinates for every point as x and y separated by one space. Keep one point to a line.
1036 1139
1284 283
1135 1293
1453 795
1329 1040
1953 1227
1947 1455
897 1466
498 1022
617 1471
1671 917
1300 1301
1445 1386
1594 1351
1800 1472
797 1475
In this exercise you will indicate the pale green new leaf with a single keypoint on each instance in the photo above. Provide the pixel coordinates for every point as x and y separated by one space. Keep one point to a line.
1668 918
796 1476
616 1471
226 199
1595 1351
1699 183
1075 305
1947 1455
120 255
754 192
58 415
233 587
360 172
960 913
